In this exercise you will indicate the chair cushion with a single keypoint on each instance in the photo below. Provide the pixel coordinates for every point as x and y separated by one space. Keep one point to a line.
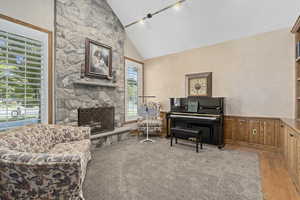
82 148
74 147
31 139
65 134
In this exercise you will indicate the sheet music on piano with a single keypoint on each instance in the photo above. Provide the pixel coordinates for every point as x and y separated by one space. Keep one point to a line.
193 106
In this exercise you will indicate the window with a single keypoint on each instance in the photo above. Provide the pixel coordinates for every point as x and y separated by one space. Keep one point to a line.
23 77
133 88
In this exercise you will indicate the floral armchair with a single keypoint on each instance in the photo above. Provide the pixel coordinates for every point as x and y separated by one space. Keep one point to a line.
154 120
44 162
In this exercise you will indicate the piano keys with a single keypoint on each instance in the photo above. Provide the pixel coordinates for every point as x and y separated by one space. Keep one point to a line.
208 116
189 116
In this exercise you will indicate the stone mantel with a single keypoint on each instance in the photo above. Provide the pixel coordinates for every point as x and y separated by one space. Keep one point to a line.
95 84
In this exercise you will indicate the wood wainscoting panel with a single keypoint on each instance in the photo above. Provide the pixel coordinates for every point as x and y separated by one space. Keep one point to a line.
291 149
298 160
292 154
270 132
281 135
256 132
163 116
229 129
242 130
285 143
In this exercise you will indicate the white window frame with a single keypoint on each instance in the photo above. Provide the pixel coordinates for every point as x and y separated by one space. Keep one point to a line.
140 67
43 37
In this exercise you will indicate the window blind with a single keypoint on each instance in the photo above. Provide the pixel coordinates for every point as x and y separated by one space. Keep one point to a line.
21 65
132 91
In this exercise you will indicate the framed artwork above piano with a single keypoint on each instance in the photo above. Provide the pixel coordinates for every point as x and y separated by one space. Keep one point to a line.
199 84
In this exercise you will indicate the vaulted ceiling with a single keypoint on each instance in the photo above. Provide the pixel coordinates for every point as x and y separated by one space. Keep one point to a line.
201 22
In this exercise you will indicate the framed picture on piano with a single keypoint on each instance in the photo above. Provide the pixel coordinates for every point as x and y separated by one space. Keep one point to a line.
199 84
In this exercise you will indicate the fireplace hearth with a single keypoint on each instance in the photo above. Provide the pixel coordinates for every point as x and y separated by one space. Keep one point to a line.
99 119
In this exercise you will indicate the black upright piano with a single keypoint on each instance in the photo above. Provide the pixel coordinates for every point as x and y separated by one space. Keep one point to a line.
199 113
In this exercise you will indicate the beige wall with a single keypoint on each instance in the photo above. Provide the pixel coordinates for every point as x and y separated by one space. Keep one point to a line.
36 12
255 74
130 50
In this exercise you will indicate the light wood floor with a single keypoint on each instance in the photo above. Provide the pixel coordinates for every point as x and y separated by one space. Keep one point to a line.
276 182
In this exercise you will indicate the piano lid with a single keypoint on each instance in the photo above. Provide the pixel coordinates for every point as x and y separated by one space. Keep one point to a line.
195 114
184 116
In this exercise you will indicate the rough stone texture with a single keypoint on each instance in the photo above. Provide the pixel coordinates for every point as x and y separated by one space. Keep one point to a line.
77 20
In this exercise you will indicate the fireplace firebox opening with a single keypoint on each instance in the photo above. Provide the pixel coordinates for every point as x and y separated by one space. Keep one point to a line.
100 120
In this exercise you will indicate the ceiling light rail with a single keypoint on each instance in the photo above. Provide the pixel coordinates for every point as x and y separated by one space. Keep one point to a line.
150 15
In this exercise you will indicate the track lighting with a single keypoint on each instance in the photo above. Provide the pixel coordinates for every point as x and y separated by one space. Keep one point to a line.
176 6
142 21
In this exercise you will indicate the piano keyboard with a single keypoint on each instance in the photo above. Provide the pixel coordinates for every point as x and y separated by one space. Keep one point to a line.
193 117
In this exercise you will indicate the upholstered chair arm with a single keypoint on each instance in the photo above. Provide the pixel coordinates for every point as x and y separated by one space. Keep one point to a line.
39 176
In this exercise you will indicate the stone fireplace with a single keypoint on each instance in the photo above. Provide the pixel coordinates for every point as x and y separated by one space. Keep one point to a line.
99 119
77 20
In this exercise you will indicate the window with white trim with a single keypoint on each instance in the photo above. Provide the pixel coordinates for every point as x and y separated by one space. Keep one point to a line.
133 88
23 87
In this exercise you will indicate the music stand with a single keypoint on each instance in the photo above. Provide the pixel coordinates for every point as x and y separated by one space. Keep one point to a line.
145 112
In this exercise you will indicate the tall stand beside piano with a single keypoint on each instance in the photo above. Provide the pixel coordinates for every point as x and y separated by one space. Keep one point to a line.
199 113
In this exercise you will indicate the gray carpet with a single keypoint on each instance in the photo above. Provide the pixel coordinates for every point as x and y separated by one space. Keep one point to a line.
133 171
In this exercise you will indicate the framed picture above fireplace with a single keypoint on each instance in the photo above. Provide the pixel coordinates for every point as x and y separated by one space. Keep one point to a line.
98 60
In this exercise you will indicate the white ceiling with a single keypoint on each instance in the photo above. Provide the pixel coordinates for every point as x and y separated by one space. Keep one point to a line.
201 22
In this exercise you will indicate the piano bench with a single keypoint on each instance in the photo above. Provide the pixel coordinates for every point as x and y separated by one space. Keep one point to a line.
187 133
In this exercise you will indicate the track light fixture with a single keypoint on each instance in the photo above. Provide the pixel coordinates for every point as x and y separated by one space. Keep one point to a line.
150 15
